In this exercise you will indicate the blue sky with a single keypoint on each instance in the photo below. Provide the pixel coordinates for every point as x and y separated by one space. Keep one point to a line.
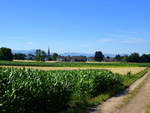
111 26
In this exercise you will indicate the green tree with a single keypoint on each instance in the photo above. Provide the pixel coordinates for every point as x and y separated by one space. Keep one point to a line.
108 57
19 56
6 54
40 55
98 56
124 58
134 57
54 56
149 58
118 58
145 58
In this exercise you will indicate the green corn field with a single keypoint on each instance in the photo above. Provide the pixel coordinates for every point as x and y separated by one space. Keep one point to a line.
36 91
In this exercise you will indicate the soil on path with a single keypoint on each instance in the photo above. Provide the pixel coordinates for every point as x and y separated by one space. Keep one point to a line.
120 70
136 104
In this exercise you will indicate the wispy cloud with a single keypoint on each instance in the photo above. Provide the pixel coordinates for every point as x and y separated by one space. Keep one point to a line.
124 40
135 41
29 43
132 32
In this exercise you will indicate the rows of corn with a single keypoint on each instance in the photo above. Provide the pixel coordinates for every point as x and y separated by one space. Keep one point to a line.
36 91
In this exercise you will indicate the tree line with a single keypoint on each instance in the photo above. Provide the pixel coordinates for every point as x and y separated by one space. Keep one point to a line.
134 57
41 55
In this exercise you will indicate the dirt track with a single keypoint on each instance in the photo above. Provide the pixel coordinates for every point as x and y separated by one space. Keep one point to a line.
121 70
139 102
136 104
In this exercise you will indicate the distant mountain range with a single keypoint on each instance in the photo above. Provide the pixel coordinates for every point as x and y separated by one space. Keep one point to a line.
63 54
77 54
84 54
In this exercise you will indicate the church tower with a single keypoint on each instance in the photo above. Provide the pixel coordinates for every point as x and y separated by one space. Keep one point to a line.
48 54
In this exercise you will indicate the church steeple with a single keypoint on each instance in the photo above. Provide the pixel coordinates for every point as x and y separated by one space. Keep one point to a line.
48 53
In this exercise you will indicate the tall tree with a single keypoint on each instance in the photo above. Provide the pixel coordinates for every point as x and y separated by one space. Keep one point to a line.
54 56
98 56
124 58
6 54
145 58
118 58
108 57
40 55
134 57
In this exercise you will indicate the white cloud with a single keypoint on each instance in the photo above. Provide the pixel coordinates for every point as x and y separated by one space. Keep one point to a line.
125 40
135 41
29 43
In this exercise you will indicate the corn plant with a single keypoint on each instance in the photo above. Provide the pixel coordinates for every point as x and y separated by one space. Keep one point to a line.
35 91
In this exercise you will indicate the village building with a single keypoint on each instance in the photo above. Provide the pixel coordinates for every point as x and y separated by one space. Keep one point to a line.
90 59
72 58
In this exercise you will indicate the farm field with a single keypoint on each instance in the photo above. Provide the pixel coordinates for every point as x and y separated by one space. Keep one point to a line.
69 86
120 70
30 61
70 91
73 64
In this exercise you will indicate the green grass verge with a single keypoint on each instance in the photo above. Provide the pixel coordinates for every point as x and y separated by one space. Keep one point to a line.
147 110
